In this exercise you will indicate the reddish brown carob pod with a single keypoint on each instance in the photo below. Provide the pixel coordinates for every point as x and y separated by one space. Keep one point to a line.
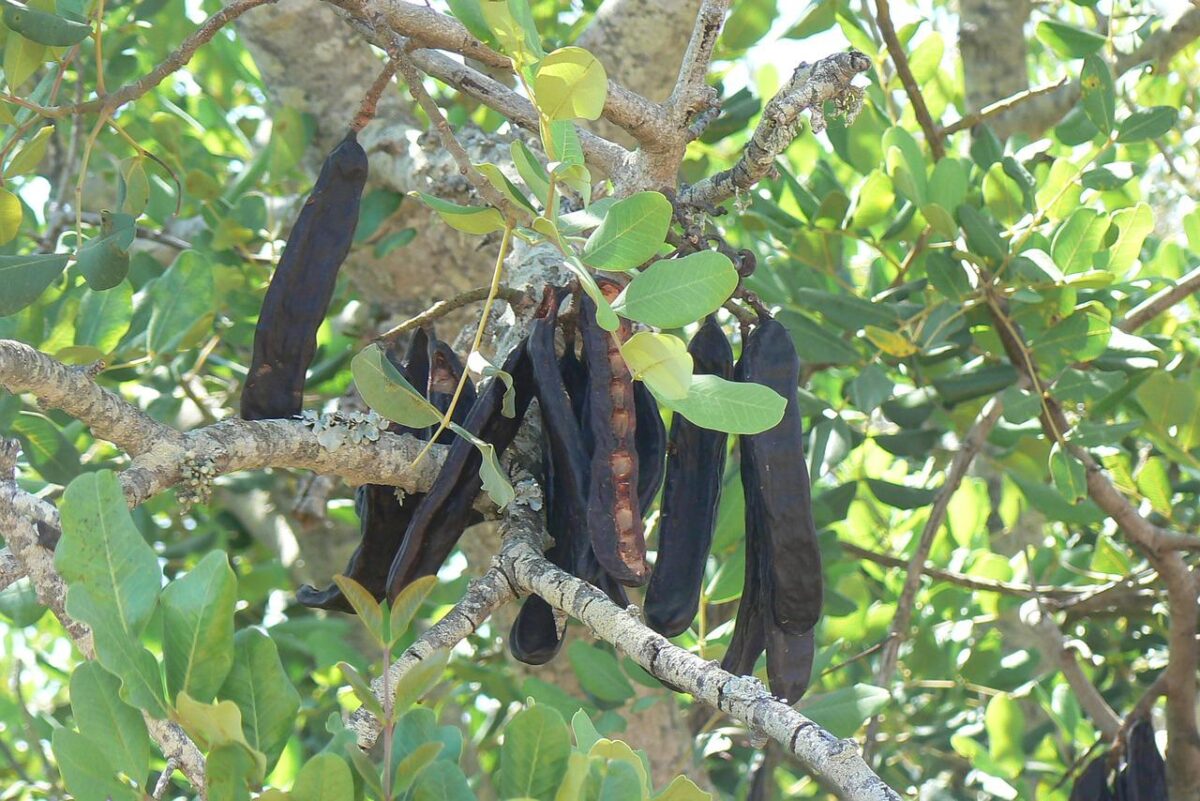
614 514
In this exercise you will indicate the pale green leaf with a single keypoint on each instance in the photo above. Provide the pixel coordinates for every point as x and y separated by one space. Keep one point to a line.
671 293
660 360
198 628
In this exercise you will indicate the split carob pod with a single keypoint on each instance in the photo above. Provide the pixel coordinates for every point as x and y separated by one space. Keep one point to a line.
535 637
1144 777
614 514
383 517
285 338
781 539
446 510
692 492
445 370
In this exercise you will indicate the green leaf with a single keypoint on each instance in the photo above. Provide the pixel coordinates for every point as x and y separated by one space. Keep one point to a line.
1149 124
584 731
905 162
619 781
48 450
815 343
982 237
104 318
213 725
365 606
1154 482
22 57
85 769
1099 93
470 14
1133 226
671 293
731 406
900 496
599 674
113 580
533 757
411 766
325 777
948 276
1078 240
24 278
1080 338
561 142
442 781
405 607
30 154
104 259
11 215
184 300
476 220
1002 195
682 788
843 711
1172 408
505 187
362 689
1068 473
820 17
530 169
1067 40
512 26
491 472
570 83
377 206
875 200
870 388
396 239
419 679
229 771
662 361
1005 724
386 391
198 628
631 234
137 185
43 27
115 729
260 687
749 22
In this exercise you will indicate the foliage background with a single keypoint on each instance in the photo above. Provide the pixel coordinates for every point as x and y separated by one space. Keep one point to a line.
901 357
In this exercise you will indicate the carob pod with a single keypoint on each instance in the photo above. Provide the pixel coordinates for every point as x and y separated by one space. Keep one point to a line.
535 637
382 516
691 495
285 339
1144 777
446 510
445 370
651 445
1092 783
778 490
614 515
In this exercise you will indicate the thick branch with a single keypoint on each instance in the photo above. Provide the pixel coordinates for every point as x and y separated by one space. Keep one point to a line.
23 369
10 569
522 567
692 93
810 86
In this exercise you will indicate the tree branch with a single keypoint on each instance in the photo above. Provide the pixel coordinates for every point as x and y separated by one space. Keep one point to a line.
180 57
1002 106
1160 301
808 89
933 134
522 567
692 94
10 569
37 562
970 448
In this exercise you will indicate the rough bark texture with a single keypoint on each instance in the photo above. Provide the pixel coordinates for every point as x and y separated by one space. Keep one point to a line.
991 38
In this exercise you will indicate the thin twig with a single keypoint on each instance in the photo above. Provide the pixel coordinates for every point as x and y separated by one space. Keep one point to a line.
164 780
370 101
933 134
1159 302
1001 106
444 307
971 446
181 56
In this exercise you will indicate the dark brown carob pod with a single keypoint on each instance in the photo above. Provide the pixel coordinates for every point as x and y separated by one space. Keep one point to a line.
1144 777
614 515
651 445
446 510
1092 782
383 517
789 661
445 370
285 339
691 495
778 494
749 633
